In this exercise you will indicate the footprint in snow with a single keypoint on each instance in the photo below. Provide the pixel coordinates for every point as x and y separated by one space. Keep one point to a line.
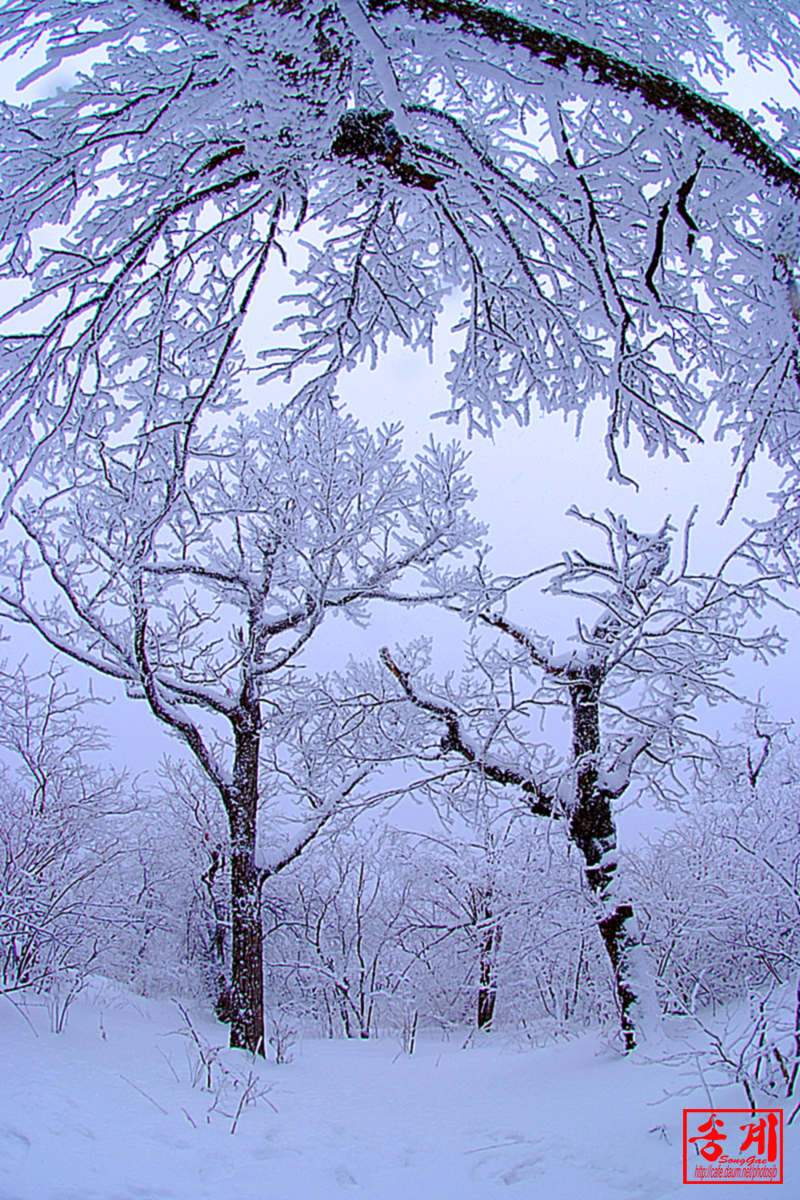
17 1142
501 1161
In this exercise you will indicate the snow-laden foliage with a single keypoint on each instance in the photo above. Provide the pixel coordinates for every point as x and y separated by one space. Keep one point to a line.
389 931
60 819
376 930
612 229
661 645
96 877
663 639
718 898
197 577
195 569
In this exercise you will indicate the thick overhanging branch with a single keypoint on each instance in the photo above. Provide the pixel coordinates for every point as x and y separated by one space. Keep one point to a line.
613 781
310 829
540 802
655 89
295 848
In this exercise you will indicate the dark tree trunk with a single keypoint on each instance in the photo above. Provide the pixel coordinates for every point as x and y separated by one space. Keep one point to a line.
243 1002
591 819
218 943
593 831
247 937
247 972
487 995
487 989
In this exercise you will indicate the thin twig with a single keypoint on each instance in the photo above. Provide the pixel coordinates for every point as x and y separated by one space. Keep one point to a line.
143 1093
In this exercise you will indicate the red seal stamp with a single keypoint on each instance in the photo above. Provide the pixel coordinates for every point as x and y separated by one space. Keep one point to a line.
732 1145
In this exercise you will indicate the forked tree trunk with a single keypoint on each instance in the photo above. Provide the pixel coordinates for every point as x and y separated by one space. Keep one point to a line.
591 820
243 1002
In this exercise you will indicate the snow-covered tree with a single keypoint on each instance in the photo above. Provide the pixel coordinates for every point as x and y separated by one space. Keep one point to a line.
195 574
342 914
615 231
60 844
386 929
718 898
629 688
501 934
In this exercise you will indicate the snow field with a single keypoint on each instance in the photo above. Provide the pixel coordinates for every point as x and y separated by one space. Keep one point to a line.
107 1111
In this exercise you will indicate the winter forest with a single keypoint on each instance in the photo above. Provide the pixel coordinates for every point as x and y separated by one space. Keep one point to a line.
399 595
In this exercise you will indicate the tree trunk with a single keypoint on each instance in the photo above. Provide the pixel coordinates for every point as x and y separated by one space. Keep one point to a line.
487 995
593 831
247 935
217 949
487 989
247 971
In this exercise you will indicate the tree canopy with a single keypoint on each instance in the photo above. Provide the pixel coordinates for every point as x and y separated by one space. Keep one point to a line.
613 230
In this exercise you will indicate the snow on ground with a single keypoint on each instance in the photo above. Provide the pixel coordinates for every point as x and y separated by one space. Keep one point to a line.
106 1111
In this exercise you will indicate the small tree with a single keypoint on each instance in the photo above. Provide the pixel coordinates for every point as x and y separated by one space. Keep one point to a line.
341 915
196 571
500 912
629 689
60 842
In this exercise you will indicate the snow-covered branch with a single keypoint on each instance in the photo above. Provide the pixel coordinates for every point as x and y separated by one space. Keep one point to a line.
611 219
537 797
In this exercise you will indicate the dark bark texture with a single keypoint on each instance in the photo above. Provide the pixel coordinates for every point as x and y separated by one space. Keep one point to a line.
247 968
487 989
593 830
